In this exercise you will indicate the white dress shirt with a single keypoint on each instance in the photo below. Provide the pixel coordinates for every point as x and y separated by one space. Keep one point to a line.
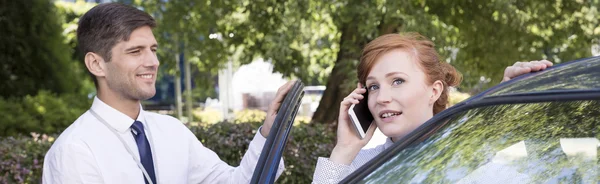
88 151
330 172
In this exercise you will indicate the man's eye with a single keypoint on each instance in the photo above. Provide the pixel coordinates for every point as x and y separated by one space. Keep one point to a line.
397 81
135 51
372 87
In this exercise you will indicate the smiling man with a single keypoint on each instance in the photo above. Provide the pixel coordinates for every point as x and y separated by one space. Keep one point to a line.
116 141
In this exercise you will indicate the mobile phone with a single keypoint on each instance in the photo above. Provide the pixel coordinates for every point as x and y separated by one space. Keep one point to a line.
360 116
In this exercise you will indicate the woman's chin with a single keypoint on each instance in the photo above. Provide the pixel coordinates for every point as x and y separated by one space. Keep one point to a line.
392 132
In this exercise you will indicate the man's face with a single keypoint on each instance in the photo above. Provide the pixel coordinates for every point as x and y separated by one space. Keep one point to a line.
131 73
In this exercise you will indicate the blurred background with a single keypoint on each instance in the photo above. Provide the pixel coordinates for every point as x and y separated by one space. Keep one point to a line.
222 62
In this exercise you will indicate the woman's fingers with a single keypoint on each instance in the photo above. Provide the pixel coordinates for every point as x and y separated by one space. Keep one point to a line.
520 68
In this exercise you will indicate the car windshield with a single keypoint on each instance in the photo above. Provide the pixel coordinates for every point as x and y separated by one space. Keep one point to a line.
550 142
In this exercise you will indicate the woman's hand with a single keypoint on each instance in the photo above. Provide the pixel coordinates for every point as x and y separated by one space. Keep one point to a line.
520 68
349 142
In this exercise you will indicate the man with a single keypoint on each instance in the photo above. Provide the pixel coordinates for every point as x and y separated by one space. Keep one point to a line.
116 141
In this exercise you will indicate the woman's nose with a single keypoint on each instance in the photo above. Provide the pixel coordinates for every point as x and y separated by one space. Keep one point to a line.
383 95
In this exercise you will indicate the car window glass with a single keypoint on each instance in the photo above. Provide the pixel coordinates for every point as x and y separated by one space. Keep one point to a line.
551 142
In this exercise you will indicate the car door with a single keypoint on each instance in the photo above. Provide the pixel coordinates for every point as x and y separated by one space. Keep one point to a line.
547 142
268 162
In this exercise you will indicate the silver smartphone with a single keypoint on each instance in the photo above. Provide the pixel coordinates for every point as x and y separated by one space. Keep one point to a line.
361 117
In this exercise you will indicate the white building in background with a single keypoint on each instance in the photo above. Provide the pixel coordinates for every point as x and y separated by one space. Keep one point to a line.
250 86
254 85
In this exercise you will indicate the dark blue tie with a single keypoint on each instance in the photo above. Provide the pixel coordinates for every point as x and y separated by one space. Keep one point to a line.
144 149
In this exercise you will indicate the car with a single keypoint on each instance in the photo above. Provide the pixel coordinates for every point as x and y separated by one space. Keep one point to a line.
542 127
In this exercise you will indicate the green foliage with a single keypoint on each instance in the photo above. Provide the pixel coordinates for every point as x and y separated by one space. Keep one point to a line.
32 51
495 34
45 112
69 14
21 157
306 143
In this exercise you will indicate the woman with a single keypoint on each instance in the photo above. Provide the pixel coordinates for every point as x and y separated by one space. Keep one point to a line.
407 84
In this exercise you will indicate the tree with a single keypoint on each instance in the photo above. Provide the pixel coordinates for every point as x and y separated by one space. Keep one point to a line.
188 30
495 34
480 38
32 52
69 13
320 42
286 31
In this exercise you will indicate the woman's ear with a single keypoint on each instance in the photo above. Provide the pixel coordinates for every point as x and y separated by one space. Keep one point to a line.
95 64
436 91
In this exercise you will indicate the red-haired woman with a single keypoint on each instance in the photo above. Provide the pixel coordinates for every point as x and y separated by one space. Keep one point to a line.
407 84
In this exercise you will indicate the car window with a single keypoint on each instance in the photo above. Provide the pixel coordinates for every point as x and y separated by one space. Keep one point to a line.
551 142
582 75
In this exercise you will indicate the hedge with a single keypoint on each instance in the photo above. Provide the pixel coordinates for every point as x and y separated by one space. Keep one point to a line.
21 157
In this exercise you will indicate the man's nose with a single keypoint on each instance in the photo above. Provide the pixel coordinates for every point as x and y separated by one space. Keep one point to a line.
151 60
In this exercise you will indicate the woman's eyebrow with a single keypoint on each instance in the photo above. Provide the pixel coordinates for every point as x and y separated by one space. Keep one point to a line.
395 73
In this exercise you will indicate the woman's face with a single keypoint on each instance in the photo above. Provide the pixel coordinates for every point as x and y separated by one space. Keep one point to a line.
399 97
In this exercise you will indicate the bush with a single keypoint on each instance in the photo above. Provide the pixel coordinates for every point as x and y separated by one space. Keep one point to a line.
45 112
207 115
306 143
21 158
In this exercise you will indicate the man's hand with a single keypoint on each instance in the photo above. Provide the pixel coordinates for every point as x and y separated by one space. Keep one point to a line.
274 107
520 68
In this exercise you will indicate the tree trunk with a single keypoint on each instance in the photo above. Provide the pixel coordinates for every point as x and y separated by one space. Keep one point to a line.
343 77
188 90
178 104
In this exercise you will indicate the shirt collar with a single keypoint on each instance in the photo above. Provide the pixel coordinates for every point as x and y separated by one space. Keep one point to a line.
114 118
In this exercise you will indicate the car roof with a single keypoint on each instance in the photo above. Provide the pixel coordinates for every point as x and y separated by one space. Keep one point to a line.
576 75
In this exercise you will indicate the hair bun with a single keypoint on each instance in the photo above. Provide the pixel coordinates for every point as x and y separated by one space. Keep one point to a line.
453 77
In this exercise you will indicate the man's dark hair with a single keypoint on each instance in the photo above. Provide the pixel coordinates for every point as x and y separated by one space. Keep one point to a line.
105 25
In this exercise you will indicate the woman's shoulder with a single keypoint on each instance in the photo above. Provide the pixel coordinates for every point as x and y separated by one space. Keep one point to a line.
365 155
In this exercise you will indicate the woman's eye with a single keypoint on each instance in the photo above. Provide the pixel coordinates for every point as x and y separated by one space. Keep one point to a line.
372 87
397 81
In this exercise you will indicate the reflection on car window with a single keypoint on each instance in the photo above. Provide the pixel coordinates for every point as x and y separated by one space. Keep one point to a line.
552 142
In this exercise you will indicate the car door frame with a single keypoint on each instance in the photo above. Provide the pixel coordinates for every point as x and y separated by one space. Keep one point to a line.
272 152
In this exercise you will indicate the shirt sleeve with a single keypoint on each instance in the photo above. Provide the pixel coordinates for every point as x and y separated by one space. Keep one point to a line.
70 163
329 172
207 167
